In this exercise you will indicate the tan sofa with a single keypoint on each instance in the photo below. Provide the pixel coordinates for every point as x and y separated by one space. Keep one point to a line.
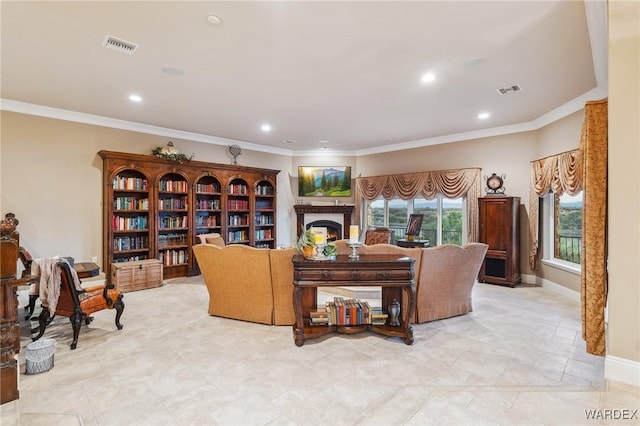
256 285
444 276
247 283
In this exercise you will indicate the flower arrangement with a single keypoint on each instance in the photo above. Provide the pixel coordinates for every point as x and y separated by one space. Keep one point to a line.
168 152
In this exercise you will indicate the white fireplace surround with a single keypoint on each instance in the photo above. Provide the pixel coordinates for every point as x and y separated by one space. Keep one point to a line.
334 217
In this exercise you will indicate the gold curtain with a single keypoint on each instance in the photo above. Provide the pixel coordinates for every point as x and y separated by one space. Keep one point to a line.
451 183
593 143
558 173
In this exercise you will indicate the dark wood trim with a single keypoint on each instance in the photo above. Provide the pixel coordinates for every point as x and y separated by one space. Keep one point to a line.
302 209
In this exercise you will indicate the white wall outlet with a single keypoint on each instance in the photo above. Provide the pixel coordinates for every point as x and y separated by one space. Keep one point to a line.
94 259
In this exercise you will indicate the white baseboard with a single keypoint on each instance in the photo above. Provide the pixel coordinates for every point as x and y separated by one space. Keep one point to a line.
622 370
561 290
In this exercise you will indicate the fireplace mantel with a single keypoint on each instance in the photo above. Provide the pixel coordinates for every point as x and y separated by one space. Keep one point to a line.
301 209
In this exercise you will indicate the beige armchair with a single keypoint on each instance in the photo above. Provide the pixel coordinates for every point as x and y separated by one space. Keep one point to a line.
446 278
212 238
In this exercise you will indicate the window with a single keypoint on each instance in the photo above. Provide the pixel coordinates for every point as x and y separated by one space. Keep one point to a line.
563 228
444 219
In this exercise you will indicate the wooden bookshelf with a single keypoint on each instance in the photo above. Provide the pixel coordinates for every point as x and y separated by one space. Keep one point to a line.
154 208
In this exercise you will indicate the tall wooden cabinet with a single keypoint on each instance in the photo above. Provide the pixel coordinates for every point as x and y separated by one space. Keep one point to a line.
155 208
500 229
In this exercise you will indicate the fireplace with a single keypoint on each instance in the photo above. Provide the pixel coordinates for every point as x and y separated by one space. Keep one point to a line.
334 229
336 218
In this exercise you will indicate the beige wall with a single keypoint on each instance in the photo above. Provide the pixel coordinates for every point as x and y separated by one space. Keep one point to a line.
624 180
52 180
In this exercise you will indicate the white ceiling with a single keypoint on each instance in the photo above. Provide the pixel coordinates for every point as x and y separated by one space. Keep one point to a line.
347 72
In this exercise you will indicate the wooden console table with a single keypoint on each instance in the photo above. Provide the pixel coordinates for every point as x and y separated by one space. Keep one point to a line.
393 273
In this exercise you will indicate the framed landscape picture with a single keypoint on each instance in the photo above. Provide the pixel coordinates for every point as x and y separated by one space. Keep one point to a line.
324 181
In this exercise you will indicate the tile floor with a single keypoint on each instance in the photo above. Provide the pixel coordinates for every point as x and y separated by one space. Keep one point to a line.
518 359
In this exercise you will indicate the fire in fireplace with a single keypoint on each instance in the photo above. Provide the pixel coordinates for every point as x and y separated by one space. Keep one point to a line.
334 229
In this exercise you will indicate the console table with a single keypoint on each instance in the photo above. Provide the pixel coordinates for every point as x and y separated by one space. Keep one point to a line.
394 273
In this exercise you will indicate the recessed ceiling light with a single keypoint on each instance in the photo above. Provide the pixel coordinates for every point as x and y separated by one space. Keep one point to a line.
483 115
428 77
135 98
265 127
323 141
324 148
213 19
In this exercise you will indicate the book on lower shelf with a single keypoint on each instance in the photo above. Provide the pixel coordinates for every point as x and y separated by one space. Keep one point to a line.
343 312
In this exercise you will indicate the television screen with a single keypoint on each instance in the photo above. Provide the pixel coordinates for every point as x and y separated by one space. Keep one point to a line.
324 181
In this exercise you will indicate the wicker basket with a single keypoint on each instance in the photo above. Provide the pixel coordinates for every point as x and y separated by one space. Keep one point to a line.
39 356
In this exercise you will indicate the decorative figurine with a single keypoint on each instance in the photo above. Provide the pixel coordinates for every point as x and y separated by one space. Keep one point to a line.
394 313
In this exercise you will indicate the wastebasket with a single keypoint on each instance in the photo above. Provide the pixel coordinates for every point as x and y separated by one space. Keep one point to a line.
39 356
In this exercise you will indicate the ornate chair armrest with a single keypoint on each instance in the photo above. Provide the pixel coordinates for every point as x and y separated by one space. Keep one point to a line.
105 293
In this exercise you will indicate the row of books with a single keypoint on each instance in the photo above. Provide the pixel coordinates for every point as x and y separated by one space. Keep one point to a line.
207 188
130 183
173 186
236 236
173 257
264 190
342 311
238 220
206 221
173 203
130 203
237 205
263 219
208 204
173 222
130 243
238 189
263 234
120 223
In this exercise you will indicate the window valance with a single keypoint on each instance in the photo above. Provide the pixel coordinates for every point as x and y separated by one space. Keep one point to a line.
450 183
558 173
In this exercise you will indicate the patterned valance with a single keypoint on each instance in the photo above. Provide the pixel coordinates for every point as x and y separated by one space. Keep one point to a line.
450 183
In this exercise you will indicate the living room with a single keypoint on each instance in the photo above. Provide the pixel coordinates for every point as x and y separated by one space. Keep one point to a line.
52 176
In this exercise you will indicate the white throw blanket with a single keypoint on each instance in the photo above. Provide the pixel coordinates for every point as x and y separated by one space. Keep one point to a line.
49 271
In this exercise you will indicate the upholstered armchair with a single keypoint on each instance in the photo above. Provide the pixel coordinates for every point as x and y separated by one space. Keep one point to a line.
446 278
378 236
212 238
64 296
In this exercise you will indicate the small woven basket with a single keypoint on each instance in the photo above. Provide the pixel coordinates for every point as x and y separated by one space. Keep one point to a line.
39 356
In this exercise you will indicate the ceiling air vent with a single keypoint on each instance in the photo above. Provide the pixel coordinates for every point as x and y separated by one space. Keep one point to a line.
514 88
120 45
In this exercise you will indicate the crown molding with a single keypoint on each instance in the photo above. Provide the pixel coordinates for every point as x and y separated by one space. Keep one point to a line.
97 120
61 114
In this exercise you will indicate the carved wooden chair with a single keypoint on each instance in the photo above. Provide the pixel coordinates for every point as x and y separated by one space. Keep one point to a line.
378 236
79 305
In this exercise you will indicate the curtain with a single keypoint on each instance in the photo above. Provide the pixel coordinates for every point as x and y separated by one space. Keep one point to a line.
558 173
593 143
450 183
